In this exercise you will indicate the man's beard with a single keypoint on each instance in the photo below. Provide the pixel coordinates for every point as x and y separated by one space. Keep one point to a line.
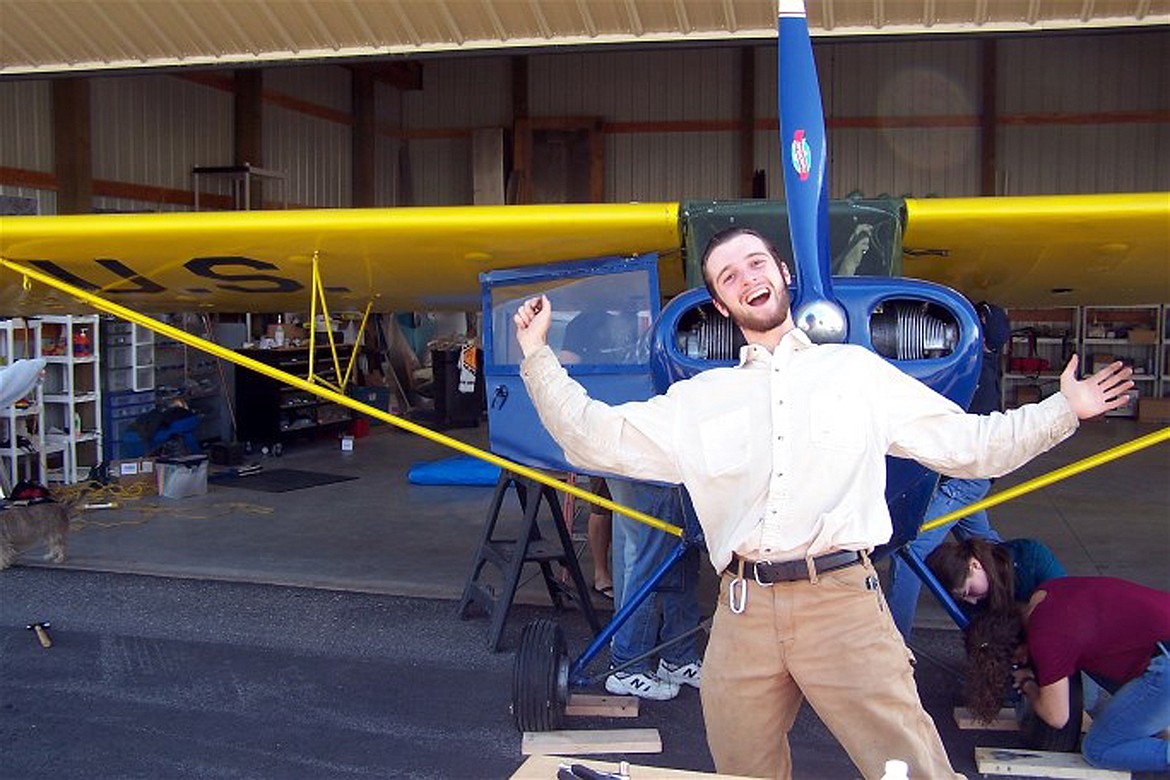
760 322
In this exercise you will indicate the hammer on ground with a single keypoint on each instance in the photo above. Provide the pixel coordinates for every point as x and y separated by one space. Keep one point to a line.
42 630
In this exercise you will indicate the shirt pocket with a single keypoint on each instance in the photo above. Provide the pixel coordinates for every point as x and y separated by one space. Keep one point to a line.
724 440
837 423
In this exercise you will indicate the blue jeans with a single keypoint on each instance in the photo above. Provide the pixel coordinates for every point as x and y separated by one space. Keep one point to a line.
951 494
638 549
1123 734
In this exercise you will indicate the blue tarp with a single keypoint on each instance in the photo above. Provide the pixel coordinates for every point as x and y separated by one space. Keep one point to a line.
456 470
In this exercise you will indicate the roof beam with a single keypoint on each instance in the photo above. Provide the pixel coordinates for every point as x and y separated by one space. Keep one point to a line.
635 19
411 32
452 24
680 12
192 28
494 18
729 15
541 21
587 18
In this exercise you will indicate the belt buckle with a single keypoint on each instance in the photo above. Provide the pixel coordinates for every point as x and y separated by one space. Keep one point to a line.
756 574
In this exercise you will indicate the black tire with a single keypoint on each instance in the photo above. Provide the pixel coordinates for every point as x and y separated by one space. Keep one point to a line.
540 678
1038 735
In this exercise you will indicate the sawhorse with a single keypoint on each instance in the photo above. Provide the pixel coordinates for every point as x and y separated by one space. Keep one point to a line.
508 556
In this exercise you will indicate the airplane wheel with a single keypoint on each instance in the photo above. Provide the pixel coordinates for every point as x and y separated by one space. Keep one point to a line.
1038 735
540 678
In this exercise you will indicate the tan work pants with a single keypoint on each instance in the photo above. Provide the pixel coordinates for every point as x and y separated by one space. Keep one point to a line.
832 642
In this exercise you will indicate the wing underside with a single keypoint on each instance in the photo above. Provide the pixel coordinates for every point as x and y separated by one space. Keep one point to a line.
1053 250
403 259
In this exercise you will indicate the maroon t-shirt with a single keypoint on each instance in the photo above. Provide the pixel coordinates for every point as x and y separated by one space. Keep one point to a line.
1101 625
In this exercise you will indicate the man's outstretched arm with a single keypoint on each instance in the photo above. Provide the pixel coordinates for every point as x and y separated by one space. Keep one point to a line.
633 439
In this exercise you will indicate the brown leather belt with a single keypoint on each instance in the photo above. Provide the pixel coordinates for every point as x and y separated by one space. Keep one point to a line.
768 572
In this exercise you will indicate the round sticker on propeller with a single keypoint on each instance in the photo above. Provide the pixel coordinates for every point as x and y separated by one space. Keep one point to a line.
801 155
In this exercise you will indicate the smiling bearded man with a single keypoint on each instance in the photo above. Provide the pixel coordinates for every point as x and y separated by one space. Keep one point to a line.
784 457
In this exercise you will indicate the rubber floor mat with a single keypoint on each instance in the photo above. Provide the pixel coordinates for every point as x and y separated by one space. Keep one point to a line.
278 480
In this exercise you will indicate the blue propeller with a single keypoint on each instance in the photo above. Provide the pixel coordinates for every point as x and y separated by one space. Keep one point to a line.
806 182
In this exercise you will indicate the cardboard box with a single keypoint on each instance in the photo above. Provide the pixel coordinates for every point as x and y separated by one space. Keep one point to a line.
182 477
1027 394
1154 410
1099 360
291 332
1142 336
132 472
377 397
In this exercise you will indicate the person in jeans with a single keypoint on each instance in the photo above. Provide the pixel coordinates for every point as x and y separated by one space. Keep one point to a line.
1111 628
669 612
955 493
784 457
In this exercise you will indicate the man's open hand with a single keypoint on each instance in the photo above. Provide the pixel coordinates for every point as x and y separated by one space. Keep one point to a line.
1099 393
533 319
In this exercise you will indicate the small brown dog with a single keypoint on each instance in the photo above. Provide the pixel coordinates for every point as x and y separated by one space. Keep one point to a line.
26 526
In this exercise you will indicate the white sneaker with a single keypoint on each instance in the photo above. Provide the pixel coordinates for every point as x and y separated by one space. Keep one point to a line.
687 674
645 685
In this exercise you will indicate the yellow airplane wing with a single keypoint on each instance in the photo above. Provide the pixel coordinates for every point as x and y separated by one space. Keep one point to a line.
1050 250
402 259
1017 251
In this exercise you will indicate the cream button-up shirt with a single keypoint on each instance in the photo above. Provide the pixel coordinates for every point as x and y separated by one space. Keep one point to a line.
784 454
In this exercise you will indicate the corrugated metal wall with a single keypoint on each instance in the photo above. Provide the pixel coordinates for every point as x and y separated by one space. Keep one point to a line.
152 130
643 97
457 96
388 116
26 126
1076 114
26 139
1101 79
313 150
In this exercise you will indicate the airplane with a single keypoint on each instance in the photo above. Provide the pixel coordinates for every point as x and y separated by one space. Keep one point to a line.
911 305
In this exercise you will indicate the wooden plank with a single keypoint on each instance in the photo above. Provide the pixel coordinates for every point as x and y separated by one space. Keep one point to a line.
545 767
1004 720
570 743
1040 763
594 705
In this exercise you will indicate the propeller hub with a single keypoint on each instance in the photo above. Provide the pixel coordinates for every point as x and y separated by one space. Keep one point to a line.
824 321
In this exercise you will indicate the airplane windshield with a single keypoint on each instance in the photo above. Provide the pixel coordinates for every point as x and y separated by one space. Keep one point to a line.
598 320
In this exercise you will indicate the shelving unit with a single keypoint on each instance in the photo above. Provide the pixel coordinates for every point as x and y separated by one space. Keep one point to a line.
189 374
127 356
1044 339
1165 372
22 445
271 413
1042 342
1129 334
71 396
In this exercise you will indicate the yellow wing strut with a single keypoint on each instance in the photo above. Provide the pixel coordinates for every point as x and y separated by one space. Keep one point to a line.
1056 475
330 394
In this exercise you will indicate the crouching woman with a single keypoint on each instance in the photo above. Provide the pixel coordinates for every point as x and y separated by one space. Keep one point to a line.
1110 628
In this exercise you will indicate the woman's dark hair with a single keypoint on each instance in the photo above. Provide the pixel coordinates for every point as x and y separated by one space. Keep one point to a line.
721 238
992 640
951 562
